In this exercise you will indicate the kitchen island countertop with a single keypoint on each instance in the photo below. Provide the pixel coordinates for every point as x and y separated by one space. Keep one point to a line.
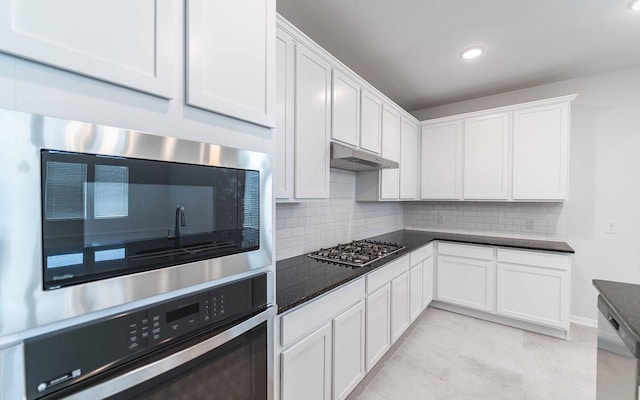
301 278
624 300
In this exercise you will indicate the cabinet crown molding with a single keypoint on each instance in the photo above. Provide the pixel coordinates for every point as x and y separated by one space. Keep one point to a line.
301 37
502 109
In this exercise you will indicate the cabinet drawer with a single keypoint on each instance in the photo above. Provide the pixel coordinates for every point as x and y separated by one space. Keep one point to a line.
537 258
464 250
384 275
418 256
303 320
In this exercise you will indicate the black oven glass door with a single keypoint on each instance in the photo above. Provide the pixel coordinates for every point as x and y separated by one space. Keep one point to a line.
236 370
110 216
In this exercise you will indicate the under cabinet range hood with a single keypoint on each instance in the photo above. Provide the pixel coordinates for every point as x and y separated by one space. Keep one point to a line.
344 157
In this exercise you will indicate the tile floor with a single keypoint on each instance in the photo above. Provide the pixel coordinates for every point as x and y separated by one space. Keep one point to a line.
447 356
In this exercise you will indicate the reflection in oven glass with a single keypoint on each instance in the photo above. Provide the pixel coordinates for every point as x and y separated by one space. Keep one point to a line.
234 371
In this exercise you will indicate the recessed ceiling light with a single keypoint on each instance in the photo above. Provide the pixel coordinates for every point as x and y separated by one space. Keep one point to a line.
472 52
635 5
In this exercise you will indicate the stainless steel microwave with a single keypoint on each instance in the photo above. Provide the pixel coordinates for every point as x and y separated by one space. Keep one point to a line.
96 217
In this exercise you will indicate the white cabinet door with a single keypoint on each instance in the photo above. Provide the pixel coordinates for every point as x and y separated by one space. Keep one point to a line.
541 152
409 141
466 282
306 367
486 157
370 121
427 282
416 281
345 95
441 169
390 133
284 132
390 178
312 125
348 350
532 294
231 58
378 321
131 44
400 318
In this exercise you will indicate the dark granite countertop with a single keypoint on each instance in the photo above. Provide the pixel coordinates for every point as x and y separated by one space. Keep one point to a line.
300 279
624 300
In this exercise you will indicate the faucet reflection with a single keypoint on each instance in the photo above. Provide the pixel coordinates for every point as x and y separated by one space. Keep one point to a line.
183 222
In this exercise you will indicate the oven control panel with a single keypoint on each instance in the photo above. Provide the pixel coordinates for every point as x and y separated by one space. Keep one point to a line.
56 360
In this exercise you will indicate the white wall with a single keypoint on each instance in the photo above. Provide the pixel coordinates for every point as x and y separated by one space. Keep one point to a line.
305 227
604 175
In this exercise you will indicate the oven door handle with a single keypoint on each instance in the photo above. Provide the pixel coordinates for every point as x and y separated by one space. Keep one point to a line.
149 371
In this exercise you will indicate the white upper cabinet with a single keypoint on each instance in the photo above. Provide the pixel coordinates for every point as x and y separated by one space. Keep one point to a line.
312 124
284 132
231 58
409 147
486 157
441 169
122 42
390 133
541 152
370 121
390 178
512 153
345 96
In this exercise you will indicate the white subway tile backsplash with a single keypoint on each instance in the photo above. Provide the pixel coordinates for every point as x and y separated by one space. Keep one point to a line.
327 223
488 218
305 227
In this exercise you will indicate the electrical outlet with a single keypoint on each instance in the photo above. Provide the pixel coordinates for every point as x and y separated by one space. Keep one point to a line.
531 223
440 219
611 227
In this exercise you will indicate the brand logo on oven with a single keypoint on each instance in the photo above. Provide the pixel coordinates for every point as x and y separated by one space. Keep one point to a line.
61 379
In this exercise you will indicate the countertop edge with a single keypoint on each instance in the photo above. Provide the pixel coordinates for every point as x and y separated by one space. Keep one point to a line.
496 241
436 236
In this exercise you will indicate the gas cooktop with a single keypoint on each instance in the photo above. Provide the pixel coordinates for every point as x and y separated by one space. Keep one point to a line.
358 253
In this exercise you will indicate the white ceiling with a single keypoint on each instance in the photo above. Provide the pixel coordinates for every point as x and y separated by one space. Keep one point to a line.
409 49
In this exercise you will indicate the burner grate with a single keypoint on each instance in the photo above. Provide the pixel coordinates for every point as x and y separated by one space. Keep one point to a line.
358 253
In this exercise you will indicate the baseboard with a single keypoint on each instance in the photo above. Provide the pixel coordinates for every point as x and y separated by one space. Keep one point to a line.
557 332
590 322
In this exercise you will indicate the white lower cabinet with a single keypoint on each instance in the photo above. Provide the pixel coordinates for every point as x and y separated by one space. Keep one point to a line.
306 367
467 282
378 325
532 293
328 345
416 282
421 279
400 318
524 285
427 282
348 350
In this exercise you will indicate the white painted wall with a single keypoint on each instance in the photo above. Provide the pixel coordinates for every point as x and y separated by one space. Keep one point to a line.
604 175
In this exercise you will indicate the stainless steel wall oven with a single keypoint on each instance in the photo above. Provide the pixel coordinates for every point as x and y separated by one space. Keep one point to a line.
97 217
151 254
110 216
211 344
